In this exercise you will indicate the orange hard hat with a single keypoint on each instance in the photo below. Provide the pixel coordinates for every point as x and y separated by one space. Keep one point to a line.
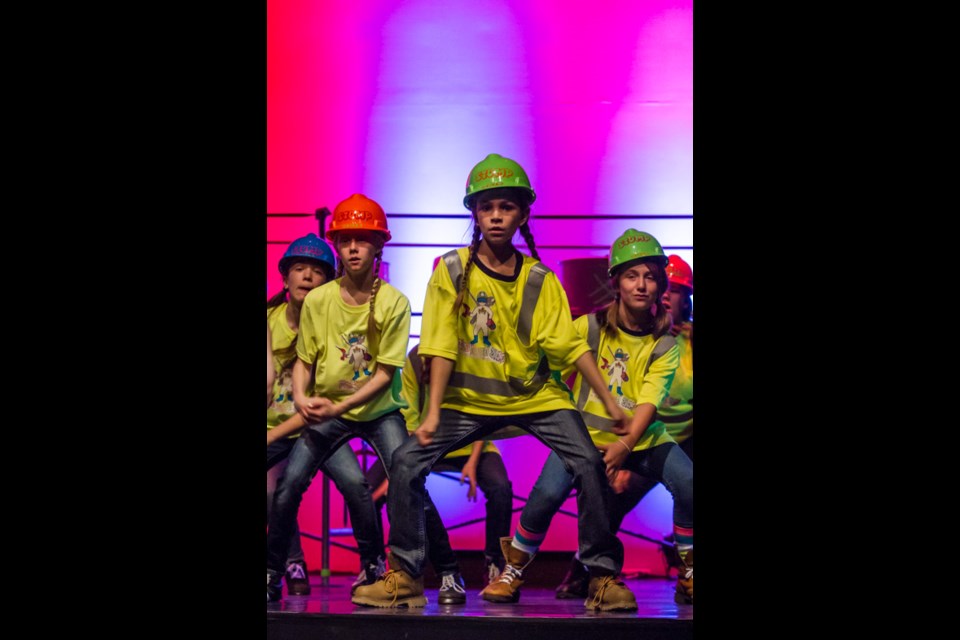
358 212
679 272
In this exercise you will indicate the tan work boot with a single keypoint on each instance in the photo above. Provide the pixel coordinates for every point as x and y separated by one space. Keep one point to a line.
506 588
606 593
395 588
684 594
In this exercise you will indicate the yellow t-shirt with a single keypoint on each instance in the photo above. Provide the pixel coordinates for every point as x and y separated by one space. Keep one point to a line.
414 415
284 352
623 361
333 337
495 372
676 411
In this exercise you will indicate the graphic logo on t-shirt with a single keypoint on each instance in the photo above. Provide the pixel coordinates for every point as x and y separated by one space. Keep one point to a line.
481 324
283 400
356 354
482 317
617 370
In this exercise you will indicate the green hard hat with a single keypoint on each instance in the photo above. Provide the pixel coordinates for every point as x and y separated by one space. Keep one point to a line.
496 171
635 245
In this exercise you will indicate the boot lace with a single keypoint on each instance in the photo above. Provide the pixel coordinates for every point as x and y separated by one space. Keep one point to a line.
448 583
605 582
510 573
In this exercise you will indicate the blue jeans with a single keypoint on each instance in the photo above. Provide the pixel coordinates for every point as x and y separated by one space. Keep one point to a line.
563 431
637 487
498 491
665 463
316 446
342 467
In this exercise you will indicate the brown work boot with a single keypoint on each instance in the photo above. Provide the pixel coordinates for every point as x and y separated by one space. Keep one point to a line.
506 588
395 588
606 593
574 585
684 594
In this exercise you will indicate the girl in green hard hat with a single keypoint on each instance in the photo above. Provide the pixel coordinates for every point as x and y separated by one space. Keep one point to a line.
495 323
633 346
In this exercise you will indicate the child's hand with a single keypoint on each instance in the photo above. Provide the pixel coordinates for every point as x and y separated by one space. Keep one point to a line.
622 423
470 473
426 430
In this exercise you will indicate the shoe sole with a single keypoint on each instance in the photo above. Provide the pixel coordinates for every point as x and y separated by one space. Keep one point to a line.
413 601
568 595
451 601
492 598
609 607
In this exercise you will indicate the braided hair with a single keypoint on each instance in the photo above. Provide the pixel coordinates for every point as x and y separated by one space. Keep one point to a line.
371 321
474 246
523 199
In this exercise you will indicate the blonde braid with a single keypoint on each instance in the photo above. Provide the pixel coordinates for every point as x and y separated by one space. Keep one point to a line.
371 319
474 245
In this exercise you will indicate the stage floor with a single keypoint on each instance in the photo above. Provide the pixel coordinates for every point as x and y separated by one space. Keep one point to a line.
654 598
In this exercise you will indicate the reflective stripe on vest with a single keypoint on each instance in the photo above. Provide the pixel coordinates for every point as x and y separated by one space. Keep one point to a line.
531 294
680 417
417 365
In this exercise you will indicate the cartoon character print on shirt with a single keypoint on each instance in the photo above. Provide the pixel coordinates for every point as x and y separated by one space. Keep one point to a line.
616 369
356 354
481 320
283 400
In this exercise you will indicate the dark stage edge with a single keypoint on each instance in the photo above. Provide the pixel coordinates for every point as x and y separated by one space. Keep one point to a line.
328 613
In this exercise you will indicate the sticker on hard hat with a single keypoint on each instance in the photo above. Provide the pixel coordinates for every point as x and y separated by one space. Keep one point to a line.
308 250
489 174
631 239
343 216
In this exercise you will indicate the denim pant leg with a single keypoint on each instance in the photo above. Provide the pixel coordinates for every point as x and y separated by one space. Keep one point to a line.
276 464
387 434
342 467
550 491
408 499
565 433
296 478
439 550
309 452
498 491
670 465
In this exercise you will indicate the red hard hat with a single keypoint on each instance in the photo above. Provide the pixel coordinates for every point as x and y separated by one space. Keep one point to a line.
679 272
358 212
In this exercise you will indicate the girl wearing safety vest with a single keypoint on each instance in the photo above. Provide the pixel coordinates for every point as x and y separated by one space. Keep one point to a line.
496 322
676 412
631 342
479 463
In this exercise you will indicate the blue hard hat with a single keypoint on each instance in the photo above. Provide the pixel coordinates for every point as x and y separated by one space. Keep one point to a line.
312 247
